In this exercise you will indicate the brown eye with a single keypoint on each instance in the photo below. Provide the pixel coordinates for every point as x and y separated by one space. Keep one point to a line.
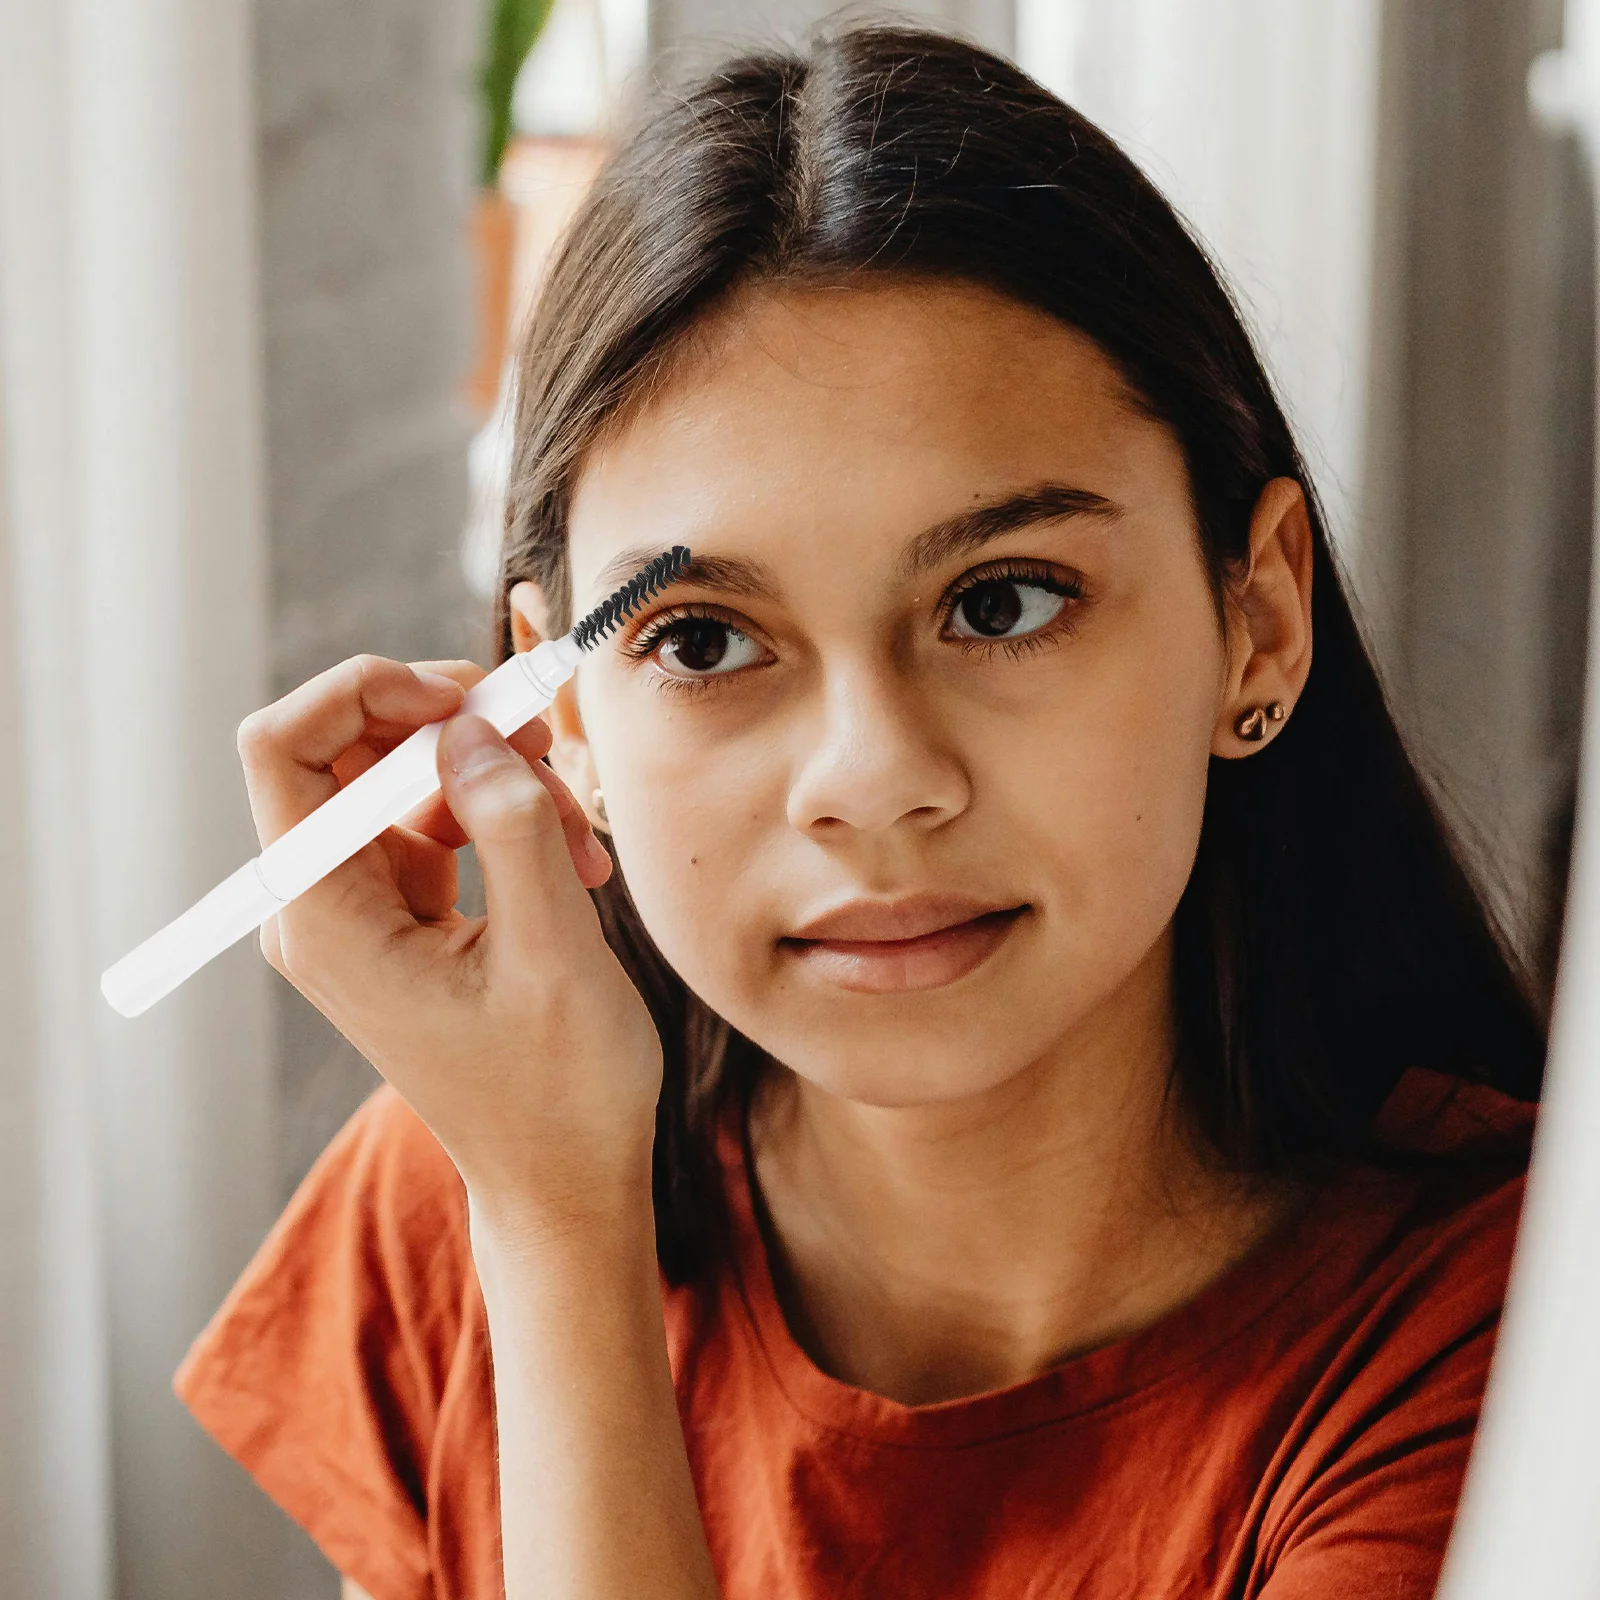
993 607
699 645
703 647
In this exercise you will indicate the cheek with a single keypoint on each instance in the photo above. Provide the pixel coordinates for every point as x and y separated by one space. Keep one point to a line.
1117 792
1122 835
691 823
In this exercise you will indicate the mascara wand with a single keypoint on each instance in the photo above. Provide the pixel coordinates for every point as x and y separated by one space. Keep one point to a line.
516 691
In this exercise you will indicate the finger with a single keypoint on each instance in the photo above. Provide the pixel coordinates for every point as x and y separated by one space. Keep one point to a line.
589 856
270 946
466 673
533 740
289 748
290 753
376 742
535 900
435 819
425 872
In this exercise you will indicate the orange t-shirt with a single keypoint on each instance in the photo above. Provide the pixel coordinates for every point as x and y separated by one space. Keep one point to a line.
1297 1431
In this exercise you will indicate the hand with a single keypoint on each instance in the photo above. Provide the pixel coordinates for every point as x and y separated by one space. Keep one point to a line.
517 1037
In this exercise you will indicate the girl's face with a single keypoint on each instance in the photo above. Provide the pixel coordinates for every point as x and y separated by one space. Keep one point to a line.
953 660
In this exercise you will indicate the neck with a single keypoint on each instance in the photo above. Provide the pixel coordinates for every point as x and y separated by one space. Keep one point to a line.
929 1252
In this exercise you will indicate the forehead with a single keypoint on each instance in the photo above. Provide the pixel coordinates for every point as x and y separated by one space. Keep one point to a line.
797 419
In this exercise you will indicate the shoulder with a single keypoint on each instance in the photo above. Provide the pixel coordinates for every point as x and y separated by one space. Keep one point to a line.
348 1368
326 1369
1427 1237
377 1229
362 1294
1395 1345
1461 1156
1433 1114
387 1149
388 1178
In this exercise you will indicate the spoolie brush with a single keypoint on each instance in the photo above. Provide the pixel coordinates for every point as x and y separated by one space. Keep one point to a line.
626 600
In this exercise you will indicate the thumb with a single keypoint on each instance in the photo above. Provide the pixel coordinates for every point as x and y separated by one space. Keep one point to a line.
525 846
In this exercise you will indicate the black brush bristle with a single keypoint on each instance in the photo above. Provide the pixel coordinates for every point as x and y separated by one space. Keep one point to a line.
625 601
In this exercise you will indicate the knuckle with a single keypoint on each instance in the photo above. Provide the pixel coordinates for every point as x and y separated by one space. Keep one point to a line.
327 691
253 733
302 955
366 668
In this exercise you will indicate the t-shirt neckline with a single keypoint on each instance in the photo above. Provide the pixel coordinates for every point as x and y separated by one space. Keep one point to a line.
1126 1372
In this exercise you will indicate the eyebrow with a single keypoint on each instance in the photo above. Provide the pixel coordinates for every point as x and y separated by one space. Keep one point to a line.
944 540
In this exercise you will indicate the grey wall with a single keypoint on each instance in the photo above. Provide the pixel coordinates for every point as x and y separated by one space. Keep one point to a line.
1481 470
366 167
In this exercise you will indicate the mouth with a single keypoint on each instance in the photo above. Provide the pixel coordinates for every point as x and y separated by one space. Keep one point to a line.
886 965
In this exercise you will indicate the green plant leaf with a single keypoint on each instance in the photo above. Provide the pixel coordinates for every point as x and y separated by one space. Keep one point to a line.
512 26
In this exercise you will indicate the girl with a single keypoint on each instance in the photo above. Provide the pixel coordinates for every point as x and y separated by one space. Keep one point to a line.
1027 1101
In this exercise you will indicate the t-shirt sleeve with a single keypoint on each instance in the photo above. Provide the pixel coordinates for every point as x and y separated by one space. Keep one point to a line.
1372 1521
323 1371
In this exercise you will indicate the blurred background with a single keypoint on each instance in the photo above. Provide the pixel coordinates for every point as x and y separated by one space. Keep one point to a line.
260 265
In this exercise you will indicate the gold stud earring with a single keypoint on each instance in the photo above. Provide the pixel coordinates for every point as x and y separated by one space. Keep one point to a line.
1252 724
598 801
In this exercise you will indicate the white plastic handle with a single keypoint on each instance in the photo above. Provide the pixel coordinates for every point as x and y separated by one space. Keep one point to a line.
517 690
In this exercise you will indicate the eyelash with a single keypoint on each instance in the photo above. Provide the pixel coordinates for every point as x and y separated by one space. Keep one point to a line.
650 636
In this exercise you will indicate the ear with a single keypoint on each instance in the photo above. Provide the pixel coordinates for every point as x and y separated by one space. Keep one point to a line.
570 755
1269 619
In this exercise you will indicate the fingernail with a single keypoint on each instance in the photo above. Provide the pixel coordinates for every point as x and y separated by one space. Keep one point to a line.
435 680
472 747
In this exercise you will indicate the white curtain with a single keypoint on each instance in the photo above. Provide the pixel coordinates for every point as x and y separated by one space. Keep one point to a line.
1258 119
135 1156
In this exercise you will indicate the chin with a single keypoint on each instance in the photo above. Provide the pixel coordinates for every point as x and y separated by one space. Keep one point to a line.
901 1079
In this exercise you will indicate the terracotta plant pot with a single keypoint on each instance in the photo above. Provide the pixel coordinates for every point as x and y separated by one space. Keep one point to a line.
493 235
545 179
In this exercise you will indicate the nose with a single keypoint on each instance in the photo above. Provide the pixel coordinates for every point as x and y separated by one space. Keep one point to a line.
874 757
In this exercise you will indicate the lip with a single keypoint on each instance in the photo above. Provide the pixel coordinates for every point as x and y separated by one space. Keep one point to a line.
909 917
924 942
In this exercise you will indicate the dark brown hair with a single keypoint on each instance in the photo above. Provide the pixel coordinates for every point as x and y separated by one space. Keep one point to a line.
1329 936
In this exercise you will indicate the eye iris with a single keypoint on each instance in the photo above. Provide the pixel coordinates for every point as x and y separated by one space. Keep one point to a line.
700 644
993 607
